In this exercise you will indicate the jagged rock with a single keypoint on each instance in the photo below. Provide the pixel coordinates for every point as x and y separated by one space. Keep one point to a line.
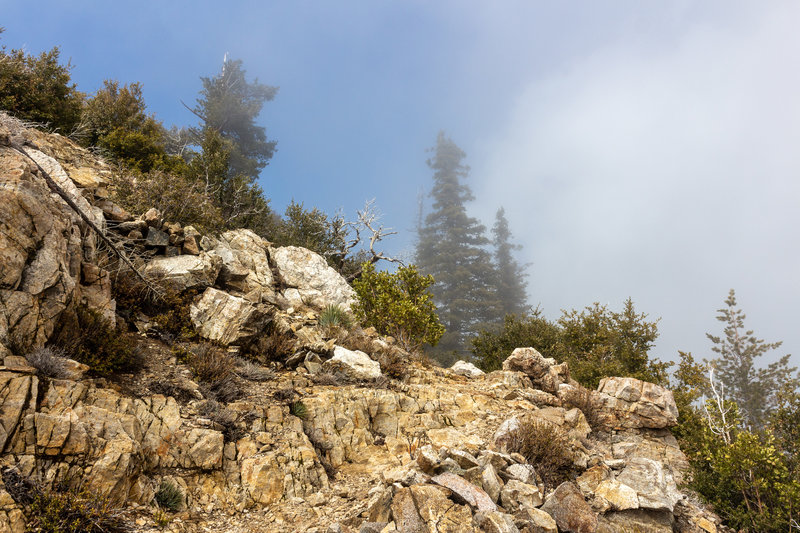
453 438
632 403
491 482
639 521
522 472
16 393
689 518
437 511
428 459
517 494
536 521
464 459
184 271
655 487
41 250
570 511
245 261
156 238
619 496
354 364
545 373
496 522
466 369
190 245
152 218
225 318
312 282
466 491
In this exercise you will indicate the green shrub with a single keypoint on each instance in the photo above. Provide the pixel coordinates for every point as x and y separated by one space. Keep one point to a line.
169 496
492 346
299 410
546 447
399 305
72 512
595 341
38 89
333 317
88 337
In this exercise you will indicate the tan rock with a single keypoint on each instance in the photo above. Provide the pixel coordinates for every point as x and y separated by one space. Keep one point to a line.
315 283
474 496
620 496
355 364
545 373
516 494
570 511
228 319
452 438
496 522
632 403
184 271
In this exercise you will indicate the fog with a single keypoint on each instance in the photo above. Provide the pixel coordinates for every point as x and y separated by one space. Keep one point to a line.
640 150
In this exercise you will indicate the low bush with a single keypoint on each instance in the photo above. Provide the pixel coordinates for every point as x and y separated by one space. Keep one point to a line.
169 496
546 447
49 361
581 398
88 337
399 305
299 410
213 367
247 369
334 316
69 511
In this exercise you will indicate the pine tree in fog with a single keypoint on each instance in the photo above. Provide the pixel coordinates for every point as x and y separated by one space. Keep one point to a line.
509 277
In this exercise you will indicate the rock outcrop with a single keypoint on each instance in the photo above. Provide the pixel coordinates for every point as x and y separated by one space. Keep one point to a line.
330 439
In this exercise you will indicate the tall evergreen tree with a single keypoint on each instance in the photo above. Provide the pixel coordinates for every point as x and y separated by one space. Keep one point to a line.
753 389
509 278
451 248
234 149
229 105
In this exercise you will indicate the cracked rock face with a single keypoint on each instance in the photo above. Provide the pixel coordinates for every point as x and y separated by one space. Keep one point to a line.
312 282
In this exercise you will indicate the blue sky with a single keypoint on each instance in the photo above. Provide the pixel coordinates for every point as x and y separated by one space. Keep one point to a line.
640 149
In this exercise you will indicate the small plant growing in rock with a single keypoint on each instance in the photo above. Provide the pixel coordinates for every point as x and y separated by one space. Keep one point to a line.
581 398
251 371
213 367
169 496
49 361
69 511
299 410
546 447
333 317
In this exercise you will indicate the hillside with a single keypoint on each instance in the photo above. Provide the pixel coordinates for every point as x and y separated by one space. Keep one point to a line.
265 420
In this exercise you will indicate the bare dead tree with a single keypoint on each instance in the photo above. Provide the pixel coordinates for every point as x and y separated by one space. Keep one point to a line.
366 231
719 424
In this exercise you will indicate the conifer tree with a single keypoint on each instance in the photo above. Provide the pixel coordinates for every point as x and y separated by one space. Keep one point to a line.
451 248
753 389
509 281
234 149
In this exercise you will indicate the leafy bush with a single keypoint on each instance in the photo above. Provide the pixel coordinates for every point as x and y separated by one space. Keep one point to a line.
169 496
38 89
88 337
492 346
49 361
115 121
596 342
399 305
179 198
546 447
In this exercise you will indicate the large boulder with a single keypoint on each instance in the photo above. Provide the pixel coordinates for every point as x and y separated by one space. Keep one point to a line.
632 403
654 486
354 364
544 372
184 271
222 317
245 261
570 511
42 246
310 281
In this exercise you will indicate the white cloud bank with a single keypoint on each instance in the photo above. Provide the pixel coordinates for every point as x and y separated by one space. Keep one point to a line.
669 174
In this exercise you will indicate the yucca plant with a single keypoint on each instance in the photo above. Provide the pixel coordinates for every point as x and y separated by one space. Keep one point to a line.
169 496
334 316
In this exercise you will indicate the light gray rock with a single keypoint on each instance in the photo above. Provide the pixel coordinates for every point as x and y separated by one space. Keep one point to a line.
491 482
184 271
228 319
632 403
545 373
474 496
355 364
516 494
654 485
313 283
466 369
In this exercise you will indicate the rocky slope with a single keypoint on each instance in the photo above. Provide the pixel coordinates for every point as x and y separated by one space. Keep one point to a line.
332 438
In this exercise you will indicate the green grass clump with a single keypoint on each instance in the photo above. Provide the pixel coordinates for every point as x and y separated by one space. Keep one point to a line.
334 316
299 410
169 496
